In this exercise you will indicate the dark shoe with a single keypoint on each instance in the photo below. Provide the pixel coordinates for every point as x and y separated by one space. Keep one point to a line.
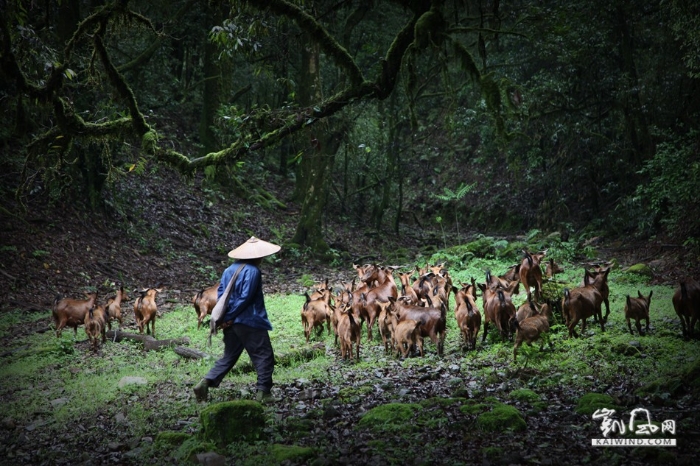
264 397
201 390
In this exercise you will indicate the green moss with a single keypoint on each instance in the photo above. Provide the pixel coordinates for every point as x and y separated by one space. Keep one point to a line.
232 421
492 452
641 269
391 417
501 417
473 408
169 439
190 447
590 402
293 453
347 393
688 379
149 141
525 395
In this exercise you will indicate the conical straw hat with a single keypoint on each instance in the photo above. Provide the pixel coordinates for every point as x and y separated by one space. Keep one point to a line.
254 248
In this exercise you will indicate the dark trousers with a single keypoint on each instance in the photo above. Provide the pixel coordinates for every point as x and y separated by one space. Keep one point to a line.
257 344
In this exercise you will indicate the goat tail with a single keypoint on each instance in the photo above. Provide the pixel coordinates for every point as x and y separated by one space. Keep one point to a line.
567 295
528 257
501 297
684 291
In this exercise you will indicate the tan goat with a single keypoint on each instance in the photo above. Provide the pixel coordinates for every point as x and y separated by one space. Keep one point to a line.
95 322
71 312
529 330
146 310
204 302
113 308
349 333
406 335
314 314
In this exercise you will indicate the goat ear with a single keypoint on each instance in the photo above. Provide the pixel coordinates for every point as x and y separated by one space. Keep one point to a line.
651 292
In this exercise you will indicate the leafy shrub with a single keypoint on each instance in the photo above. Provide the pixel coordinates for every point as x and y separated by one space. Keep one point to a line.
670 189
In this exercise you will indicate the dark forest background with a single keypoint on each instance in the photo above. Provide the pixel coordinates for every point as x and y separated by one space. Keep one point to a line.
456 115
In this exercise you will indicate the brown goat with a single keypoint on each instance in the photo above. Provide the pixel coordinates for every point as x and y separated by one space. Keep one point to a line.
531 273
433 321
367 307
71 312
638 309
579 304
530 308
552 268
467 315
599 279
313 315
498 308
686 302
95 322
407 335
146 310
349 333
204 302
113 308
530 330
386 326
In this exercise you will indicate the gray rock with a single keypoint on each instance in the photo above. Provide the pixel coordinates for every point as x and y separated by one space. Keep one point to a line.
132 380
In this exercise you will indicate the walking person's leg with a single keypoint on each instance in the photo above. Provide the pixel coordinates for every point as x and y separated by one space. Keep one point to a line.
233 347
258 346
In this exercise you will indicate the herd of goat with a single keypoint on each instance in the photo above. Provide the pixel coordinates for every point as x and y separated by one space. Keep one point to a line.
419 311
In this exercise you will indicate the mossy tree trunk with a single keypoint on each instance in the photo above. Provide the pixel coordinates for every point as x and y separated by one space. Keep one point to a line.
212 88
325 140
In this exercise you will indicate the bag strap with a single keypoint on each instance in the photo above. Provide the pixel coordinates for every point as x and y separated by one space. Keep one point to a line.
225 297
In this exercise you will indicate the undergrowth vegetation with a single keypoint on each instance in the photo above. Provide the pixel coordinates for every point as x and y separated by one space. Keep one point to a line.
49 383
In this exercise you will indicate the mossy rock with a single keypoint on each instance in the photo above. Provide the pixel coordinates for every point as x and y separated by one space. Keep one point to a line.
190 447
348 393
473 408
626 349
525 395
293 453
687 381
591 402
641 269
501 417
233 421
169 439
390 418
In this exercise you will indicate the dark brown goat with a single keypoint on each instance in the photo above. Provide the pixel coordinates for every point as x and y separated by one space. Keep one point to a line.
599 279
686 302
433 321
579 304
498 308
638 309
467 315
531 273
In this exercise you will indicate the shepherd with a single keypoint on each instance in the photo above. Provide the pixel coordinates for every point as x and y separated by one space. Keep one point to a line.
243 320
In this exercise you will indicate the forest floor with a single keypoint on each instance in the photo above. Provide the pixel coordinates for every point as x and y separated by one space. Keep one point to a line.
175 235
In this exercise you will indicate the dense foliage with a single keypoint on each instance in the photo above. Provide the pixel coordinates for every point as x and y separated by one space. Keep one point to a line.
474 115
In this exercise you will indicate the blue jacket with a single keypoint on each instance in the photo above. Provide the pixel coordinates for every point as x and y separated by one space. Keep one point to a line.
246 304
